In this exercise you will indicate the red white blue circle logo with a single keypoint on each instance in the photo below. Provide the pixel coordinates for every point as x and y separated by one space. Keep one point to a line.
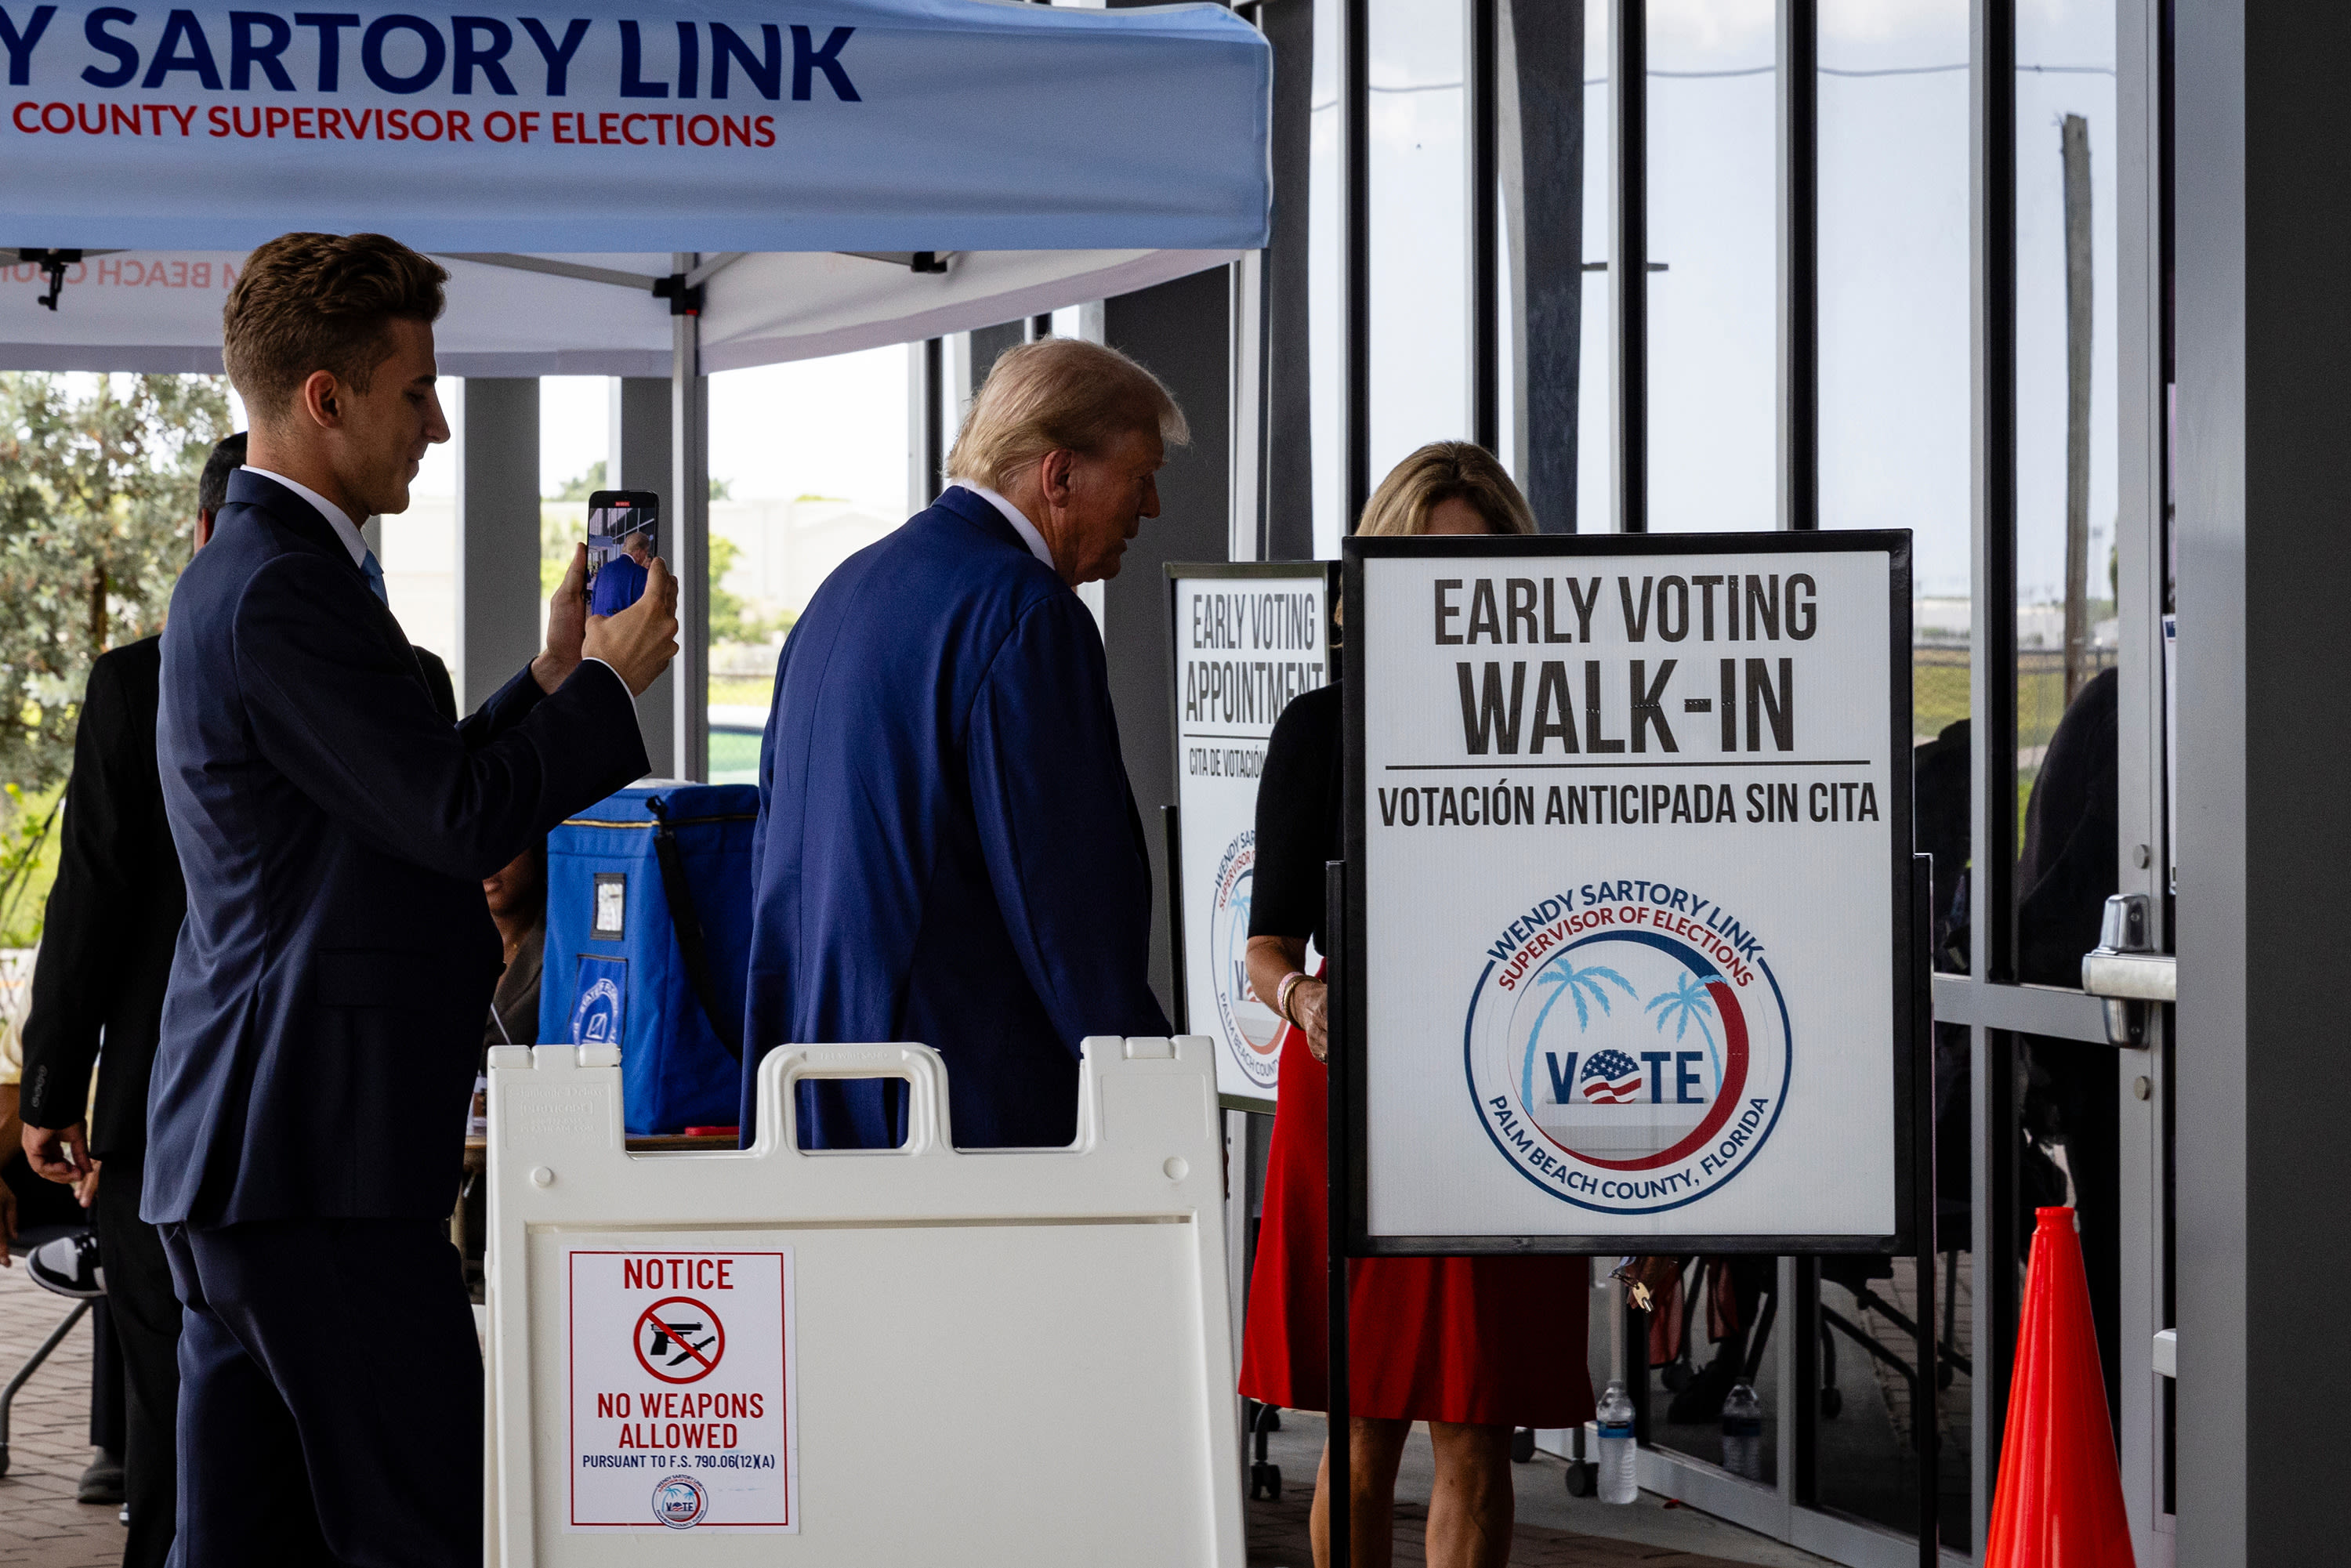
1252 1031
1627 1046
680 1502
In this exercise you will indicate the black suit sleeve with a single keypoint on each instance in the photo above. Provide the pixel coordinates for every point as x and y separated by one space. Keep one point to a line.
1297 828
337 708
438 682
102 844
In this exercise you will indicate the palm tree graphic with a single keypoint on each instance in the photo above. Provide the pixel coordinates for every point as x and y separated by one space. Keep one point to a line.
1566 980
1688 1003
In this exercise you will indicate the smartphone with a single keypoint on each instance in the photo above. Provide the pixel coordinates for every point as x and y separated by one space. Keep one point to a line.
615 521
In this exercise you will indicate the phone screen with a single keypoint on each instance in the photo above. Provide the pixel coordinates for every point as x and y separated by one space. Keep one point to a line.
622 525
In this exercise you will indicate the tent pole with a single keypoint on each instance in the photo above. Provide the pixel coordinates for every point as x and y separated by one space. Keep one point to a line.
688 546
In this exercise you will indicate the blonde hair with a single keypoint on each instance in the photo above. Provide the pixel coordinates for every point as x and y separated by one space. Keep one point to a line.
1059 394
1446 471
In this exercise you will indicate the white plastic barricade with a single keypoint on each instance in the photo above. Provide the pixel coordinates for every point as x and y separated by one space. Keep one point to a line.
918 1355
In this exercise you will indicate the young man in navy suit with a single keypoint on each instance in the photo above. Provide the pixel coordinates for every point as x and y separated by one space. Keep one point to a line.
322 1023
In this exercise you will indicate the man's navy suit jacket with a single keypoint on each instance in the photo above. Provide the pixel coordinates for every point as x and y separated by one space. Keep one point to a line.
947 849
324 1018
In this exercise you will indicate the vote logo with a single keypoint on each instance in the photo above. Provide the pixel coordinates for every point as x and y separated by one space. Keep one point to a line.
599 1001
1627 1047
1251 1030
680 1502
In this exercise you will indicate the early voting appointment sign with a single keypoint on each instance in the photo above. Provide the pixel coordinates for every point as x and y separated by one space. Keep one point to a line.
1250 637
1629 881
610 125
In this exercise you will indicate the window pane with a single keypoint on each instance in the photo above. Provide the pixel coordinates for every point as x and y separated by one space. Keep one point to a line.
2067 457
1894 367
807 465
1894 387
1419 228
1713 333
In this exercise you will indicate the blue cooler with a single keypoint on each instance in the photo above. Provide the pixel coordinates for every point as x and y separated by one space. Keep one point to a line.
648 945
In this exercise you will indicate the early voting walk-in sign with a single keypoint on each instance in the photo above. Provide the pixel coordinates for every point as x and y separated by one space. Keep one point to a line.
683 1399
1630 955
1250 637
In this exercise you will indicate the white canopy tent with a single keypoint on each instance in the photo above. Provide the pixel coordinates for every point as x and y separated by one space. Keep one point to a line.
581 314
794 155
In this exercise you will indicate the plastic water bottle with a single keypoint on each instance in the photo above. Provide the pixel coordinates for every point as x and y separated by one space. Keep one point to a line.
1618 1482
1742 1433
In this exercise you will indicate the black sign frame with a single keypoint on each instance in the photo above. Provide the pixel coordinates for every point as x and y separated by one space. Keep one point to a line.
1911 1039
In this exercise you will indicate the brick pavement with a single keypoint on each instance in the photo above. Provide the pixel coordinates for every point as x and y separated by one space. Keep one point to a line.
41 1526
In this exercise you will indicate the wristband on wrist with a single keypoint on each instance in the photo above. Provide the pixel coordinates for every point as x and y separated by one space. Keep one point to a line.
1281 995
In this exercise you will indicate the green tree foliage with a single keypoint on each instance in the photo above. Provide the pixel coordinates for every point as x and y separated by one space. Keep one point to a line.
581 487
729 623
97 500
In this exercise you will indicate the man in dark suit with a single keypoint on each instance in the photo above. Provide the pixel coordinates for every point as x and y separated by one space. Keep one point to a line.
112 921
947 849
622 578
322 1024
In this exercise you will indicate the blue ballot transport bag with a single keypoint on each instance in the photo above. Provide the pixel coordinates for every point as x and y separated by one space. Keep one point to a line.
648 944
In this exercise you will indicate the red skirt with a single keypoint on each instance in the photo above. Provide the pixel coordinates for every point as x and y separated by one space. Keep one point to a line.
1491 1341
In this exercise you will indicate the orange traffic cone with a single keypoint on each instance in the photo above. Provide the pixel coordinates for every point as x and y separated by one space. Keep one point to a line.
2060 1501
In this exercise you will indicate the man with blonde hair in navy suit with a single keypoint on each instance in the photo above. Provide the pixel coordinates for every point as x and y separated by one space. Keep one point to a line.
947 849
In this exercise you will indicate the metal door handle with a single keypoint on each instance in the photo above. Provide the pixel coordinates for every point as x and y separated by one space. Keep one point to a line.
2131 976
2126 971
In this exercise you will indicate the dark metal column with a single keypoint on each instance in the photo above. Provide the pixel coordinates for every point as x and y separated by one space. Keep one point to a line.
1355 227
1542 170
1180 330
934 419
1993 1090
1628 263
1800 432
1481 108
1289 415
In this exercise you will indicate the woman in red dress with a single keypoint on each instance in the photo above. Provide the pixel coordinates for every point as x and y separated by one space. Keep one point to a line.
1474 1346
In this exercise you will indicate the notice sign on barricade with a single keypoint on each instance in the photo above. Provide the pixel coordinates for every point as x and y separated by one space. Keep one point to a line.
1630 893
681 1390
1250 638
736 1355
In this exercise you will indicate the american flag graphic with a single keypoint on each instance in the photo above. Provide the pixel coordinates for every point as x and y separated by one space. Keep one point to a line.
1610 1078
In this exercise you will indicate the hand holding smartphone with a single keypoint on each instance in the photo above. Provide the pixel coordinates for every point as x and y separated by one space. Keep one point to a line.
623 537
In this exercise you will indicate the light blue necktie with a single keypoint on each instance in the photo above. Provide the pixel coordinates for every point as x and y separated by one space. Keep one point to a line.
373 570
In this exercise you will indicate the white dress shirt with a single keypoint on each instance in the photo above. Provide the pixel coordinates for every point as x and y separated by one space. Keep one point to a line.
345 530
349 533
1013 515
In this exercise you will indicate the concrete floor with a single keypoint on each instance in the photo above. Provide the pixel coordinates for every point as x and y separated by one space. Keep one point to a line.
1552 1527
